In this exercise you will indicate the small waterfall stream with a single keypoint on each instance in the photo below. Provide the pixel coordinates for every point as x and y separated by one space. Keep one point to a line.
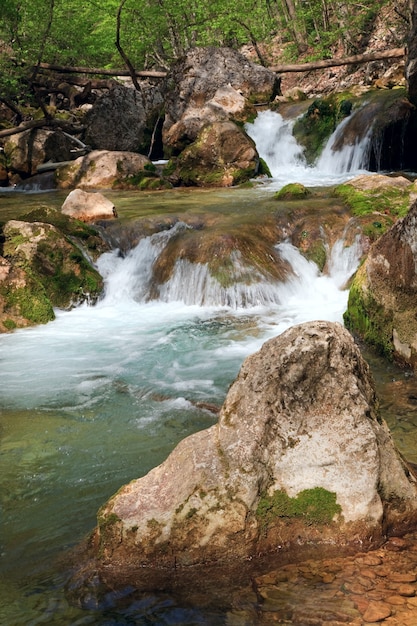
284 156
102 394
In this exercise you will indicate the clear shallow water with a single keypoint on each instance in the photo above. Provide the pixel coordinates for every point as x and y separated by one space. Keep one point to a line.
102 394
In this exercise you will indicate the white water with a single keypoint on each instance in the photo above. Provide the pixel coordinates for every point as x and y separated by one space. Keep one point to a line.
191 341
285 159
178 348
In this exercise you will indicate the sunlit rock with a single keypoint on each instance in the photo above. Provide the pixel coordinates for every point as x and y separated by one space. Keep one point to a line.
300 460
88 207
382 298
212 84
101 169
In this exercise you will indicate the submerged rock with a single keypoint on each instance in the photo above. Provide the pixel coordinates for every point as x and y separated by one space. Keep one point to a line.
382 298
299 463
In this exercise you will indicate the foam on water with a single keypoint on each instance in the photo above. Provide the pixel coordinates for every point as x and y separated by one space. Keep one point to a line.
276 144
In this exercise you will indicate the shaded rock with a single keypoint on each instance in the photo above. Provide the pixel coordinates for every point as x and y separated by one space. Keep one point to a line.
88 207
28 150
222 155
411 60
52 261
382 298
101 169
23 300
300 459
210 84
117 121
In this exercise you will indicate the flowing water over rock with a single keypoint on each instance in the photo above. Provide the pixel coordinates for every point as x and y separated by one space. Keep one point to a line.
102 394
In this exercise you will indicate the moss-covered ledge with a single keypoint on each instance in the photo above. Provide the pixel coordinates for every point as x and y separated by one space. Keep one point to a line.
46 264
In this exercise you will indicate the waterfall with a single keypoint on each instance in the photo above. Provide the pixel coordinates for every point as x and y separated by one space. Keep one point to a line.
352 157
276 144
130 277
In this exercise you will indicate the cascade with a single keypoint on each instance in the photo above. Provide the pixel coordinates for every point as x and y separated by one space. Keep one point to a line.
350 157
130 277
278 147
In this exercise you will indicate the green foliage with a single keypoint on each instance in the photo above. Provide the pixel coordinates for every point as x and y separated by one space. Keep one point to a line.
153 34
314 506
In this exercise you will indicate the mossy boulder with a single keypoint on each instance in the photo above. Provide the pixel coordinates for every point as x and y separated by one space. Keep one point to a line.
57 265
222 155
382 298
377 193
292 191
23 300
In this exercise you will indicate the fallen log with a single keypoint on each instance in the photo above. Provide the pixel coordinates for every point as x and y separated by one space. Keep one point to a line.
96 70
394 53
43 123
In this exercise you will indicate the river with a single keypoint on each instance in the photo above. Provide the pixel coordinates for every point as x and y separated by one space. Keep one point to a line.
103 393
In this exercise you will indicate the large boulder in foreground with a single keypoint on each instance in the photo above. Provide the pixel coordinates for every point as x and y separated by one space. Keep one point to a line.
382 298
300 460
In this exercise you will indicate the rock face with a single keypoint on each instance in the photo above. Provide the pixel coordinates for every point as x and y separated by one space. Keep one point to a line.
88 207
212 84
411 62
101 169
382 298
300 459
117 121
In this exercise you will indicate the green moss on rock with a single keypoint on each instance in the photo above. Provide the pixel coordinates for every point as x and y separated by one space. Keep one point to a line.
29 302
321 118
292 191
314 506
366 318
384 199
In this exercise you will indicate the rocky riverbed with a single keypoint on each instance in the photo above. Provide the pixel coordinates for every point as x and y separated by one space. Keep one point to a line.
379 586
